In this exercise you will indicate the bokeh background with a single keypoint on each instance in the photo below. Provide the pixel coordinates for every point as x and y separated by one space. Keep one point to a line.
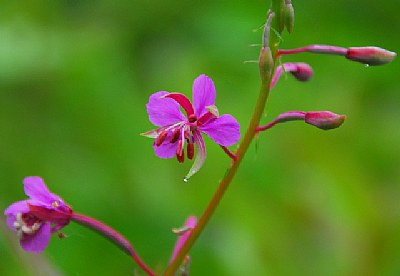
74 80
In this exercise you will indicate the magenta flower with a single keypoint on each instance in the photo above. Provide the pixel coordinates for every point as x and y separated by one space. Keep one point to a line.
36 218
175 129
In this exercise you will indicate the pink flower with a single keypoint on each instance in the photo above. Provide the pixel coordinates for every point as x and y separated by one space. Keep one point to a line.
177 130
35 219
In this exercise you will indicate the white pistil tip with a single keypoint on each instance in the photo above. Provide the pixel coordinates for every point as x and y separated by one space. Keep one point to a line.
27 229
185 180
35 226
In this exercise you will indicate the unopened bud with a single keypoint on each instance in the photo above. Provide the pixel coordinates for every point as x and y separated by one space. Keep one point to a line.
370 55
289 16
266 61
303 72
324 119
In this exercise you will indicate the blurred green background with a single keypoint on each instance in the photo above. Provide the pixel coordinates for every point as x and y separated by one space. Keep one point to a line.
74 80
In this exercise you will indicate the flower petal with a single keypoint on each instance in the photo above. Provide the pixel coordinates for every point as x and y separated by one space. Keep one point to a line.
200 156
166 149
35 188
203 94
163 111
183 101
12 211
37 242
224 130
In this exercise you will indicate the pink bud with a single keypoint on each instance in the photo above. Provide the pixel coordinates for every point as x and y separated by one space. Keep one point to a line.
303 72
370 55
324 119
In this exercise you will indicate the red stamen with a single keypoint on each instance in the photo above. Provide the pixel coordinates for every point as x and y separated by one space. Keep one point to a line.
175 135
190 150
186 134
161 137
180 158
180 154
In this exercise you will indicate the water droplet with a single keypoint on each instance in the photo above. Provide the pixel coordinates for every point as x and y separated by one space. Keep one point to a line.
367 65
185 180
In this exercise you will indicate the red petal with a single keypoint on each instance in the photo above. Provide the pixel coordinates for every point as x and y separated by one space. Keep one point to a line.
183 101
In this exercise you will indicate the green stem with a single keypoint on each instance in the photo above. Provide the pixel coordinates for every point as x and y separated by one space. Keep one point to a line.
224 184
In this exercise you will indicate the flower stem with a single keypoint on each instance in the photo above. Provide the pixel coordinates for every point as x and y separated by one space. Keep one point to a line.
224 184
319 49
229 153
113 236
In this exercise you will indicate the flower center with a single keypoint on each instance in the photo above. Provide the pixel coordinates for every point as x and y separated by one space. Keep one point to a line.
26 224
192 118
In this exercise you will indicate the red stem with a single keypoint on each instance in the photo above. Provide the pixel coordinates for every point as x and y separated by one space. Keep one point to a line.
113 236
267 126
319 49
229 153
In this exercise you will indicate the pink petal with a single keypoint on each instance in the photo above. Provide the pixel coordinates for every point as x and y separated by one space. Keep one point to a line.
37 242
203 94
183 101
166 149
224 130
190 223
12 211
163 111
35 188
200 156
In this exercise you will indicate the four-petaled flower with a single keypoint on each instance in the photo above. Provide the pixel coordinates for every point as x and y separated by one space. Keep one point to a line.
175 129
35 219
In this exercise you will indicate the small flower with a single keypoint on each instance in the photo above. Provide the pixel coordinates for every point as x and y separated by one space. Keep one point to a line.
35 219
175 129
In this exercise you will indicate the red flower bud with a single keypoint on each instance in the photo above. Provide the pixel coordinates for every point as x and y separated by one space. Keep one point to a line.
324 119
303 72
370 55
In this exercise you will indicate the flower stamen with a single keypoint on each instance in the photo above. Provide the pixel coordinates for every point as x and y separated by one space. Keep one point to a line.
26 224
175 136
161 138
190 150
180 154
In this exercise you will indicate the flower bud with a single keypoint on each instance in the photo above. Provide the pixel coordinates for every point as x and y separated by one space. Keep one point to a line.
324 119
370 55
289 16
266 61
303 72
